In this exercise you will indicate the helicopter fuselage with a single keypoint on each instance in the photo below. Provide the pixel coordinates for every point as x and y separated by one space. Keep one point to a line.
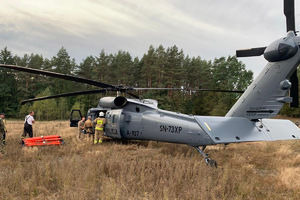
139 122
142 120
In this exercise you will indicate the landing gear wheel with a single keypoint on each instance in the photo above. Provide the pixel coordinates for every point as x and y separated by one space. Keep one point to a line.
208 161
211 162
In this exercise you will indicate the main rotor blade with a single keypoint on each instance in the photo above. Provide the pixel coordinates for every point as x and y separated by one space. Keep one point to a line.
137 89
133 95
226 91
197 90
294 91
250 52
289 12
58 75
64 95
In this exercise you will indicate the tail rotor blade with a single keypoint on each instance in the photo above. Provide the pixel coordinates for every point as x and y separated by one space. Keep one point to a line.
289 12
250 52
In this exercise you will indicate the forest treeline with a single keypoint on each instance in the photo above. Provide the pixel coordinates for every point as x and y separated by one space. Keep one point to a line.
158 68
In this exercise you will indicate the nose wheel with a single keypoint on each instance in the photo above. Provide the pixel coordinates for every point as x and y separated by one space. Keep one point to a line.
208 161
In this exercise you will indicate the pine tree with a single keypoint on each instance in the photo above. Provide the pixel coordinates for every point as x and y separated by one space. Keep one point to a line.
9 93
45 109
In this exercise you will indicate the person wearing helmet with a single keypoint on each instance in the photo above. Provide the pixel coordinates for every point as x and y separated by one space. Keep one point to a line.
99 133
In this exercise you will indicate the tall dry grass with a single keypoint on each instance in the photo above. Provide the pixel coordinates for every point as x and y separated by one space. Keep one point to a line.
144 170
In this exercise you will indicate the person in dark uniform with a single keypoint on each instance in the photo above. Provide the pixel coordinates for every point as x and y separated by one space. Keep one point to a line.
29 120
2 129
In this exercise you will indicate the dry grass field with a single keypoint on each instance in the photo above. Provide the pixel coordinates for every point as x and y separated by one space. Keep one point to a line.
144 170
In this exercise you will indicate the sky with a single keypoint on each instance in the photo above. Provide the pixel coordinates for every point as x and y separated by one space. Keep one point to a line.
209 29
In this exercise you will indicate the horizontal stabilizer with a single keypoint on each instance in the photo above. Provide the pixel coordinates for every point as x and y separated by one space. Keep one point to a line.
224 130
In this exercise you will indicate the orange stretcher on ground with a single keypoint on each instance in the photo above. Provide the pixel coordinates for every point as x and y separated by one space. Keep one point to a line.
50 140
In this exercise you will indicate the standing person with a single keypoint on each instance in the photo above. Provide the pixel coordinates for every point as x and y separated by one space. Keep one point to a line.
88 126
2 128
29 120
81 127
99 121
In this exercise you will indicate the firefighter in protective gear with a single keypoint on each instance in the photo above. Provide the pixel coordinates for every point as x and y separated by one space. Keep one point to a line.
81 127
99 133
88 127
2 128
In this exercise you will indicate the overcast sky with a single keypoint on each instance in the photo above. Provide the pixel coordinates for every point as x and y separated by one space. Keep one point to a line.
209 29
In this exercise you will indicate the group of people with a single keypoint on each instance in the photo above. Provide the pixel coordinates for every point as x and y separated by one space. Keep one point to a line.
84 127
87 127
29 120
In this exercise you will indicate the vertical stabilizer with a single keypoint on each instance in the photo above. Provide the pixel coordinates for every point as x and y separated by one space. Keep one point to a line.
268 92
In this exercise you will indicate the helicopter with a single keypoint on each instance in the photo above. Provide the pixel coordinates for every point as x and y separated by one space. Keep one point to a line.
247 121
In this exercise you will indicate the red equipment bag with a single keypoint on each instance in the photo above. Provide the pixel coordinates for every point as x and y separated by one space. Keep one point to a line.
49 140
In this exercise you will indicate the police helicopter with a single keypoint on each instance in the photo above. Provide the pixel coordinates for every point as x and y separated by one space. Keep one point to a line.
247 121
